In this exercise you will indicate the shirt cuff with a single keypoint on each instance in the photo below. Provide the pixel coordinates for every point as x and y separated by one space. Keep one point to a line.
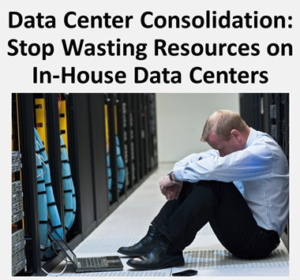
178 174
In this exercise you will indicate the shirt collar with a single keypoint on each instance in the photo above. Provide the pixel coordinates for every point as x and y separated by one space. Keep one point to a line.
252 136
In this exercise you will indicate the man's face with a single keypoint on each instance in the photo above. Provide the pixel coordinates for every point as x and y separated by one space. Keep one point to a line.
225 147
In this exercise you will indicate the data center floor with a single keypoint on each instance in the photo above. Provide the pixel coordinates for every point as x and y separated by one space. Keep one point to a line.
130 222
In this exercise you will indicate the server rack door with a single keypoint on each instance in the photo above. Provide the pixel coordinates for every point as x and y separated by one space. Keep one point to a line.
139 136
251 109
136 137
119 134
96 102
81 159
111 101
266 114
129 140
146 134
152 130
285 123
122 125
142 134
54 153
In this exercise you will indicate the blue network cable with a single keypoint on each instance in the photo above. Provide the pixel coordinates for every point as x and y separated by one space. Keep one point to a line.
46 199
69 189
42 199
121 170
108 175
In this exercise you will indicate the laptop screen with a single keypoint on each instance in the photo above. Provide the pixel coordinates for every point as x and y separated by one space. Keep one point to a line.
64 247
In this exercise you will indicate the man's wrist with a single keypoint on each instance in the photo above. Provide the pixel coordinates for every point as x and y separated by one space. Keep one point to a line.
173 178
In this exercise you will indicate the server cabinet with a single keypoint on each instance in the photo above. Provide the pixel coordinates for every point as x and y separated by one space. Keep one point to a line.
82 162
112 103
87 156
152 131
136 122
123 109
127 140
54 152
137 137
96 102
268 112
140 111
251 109
276 118
30 204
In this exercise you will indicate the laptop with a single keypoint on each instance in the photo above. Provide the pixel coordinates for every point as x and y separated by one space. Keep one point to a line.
87 264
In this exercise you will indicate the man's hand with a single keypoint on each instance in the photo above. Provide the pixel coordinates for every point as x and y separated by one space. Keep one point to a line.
168 189
165 183
173 192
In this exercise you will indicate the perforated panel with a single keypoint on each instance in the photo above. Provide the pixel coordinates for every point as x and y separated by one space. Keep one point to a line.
217 259
121 274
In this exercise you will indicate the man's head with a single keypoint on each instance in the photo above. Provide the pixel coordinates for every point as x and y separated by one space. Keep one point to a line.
226 132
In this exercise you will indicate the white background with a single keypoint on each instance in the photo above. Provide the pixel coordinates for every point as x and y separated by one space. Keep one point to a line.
16 72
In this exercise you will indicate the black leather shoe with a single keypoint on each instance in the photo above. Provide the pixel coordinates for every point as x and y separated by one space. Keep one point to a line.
145 245
159 258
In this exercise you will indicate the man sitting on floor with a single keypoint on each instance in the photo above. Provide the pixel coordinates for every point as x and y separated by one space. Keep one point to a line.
200 189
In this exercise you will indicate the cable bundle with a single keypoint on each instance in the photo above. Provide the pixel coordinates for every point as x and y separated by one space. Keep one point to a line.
108 175
46 200
42 198
45 178
121 170
69 190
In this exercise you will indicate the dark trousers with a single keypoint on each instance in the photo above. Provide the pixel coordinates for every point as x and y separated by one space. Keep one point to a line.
222 205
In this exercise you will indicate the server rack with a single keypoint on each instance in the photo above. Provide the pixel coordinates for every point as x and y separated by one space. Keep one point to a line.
18 237
269 112
53 135
26 139
140 116
151 136
112 103
84 117
252 110
123 132
126 135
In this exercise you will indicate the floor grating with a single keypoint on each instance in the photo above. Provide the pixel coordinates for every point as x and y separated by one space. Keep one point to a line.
219 259
121 274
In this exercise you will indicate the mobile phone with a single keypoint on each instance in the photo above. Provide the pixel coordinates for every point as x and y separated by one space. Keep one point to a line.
189 272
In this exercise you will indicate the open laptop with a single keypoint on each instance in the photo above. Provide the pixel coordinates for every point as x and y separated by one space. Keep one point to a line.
87 264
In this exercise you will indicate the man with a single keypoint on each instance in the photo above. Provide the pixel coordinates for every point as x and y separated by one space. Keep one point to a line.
200 189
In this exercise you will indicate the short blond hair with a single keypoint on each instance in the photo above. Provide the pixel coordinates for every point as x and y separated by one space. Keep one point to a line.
222 122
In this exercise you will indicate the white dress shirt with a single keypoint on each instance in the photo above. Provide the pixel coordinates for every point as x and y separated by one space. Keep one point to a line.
262 168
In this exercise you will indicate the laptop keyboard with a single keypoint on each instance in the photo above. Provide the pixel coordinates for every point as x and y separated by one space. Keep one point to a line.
92 262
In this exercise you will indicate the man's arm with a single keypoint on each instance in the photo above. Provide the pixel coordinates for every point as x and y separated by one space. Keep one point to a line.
254 162
171 187
195 157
